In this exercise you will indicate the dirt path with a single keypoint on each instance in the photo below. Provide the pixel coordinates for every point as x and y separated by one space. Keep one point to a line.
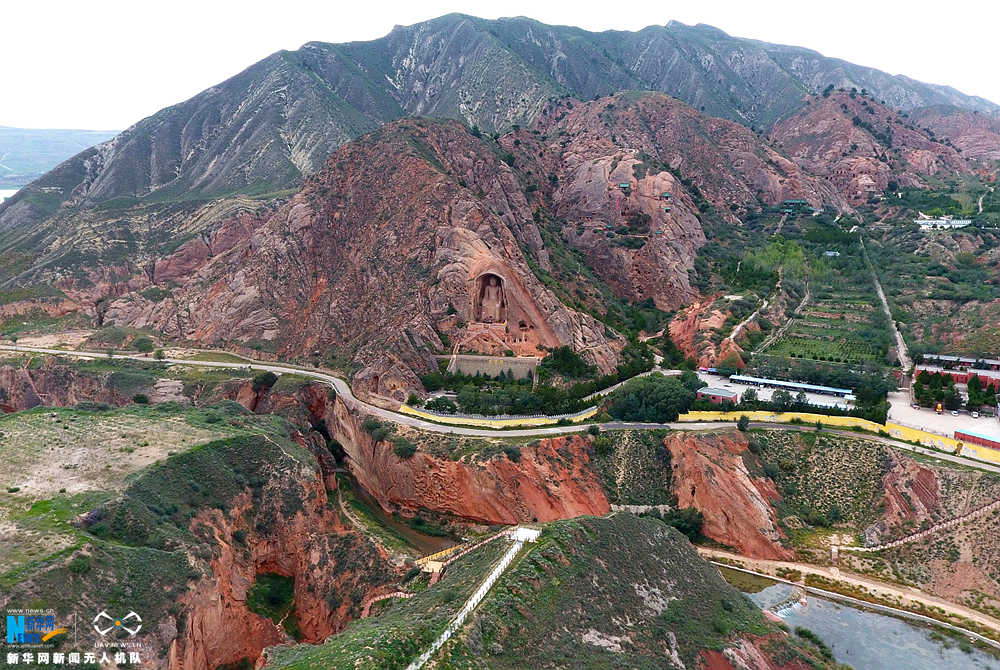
781 224
981 199
904 356
943 525
875 587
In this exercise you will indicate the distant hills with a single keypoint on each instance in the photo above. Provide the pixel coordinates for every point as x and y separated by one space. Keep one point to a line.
28 153
280 119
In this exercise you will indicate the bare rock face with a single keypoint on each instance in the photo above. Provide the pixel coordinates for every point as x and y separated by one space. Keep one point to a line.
691 328
551 479
710 475
630 175
53 384
308 546
861 145
975 134
368 260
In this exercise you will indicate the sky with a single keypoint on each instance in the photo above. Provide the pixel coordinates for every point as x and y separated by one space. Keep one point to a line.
106 64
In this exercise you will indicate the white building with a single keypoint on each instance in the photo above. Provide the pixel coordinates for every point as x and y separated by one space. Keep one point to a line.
945 222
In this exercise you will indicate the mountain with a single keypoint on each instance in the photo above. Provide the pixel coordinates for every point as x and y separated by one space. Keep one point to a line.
265 128
28 153
383 257
861 145
975 134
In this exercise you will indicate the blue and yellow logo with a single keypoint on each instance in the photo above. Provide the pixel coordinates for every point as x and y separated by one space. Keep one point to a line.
31 629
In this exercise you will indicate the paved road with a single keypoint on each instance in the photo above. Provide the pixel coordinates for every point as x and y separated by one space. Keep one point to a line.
342 388
904 356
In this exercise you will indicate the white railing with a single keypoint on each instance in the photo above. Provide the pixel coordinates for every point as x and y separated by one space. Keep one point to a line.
470 605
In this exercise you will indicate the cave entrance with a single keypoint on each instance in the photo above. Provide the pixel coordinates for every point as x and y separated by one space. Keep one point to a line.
490 299
335 447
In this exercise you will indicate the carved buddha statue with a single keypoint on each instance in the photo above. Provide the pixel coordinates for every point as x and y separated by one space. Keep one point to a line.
492 302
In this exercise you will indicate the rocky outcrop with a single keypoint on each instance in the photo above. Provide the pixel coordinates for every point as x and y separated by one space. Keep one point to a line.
975 134
549 480
860 145
54 384
373 256
695 331
330 564
710 475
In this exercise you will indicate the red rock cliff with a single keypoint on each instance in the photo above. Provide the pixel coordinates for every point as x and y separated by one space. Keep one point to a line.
709 474
551 480
331 564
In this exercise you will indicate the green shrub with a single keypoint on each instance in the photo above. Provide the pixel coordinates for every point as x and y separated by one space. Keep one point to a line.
80 564
140 399
378 430
404 448
273 596
143 344
264 380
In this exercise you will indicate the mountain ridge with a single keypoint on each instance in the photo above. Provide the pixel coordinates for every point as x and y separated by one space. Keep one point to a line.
277 121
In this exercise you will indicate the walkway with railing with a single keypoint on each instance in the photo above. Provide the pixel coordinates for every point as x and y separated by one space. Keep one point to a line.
919 535
520 536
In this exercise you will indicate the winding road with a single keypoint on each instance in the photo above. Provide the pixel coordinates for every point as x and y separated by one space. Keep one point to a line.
344 390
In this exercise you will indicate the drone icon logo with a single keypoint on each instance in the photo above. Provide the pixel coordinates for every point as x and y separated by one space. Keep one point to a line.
109 623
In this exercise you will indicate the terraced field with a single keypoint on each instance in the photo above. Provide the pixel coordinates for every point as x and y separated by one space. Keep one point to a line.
842 323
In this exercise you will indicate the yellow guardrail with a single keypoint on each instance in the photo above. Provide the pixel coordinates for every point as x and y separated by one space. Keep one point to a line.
891 429
785 417
440 554
489 422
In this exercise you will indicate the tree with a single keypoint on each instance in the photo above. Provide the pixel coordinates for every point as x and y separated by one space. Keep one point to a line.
730 365
264 380
952 400
743 423
414 400
441 404
687 520
653 398
781 399
143 345
800 399
159 355
749 396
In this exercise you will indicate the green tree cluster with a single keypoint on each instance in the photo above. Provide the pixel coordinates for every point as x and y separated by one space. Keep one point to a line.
654 398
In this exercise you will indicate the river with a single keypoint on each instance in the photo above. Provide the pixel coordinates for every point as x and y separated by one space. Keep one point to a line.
867 640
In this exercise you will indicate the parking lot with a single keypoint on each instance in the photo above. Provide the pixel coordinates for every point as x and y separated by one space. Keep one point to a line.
945 424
